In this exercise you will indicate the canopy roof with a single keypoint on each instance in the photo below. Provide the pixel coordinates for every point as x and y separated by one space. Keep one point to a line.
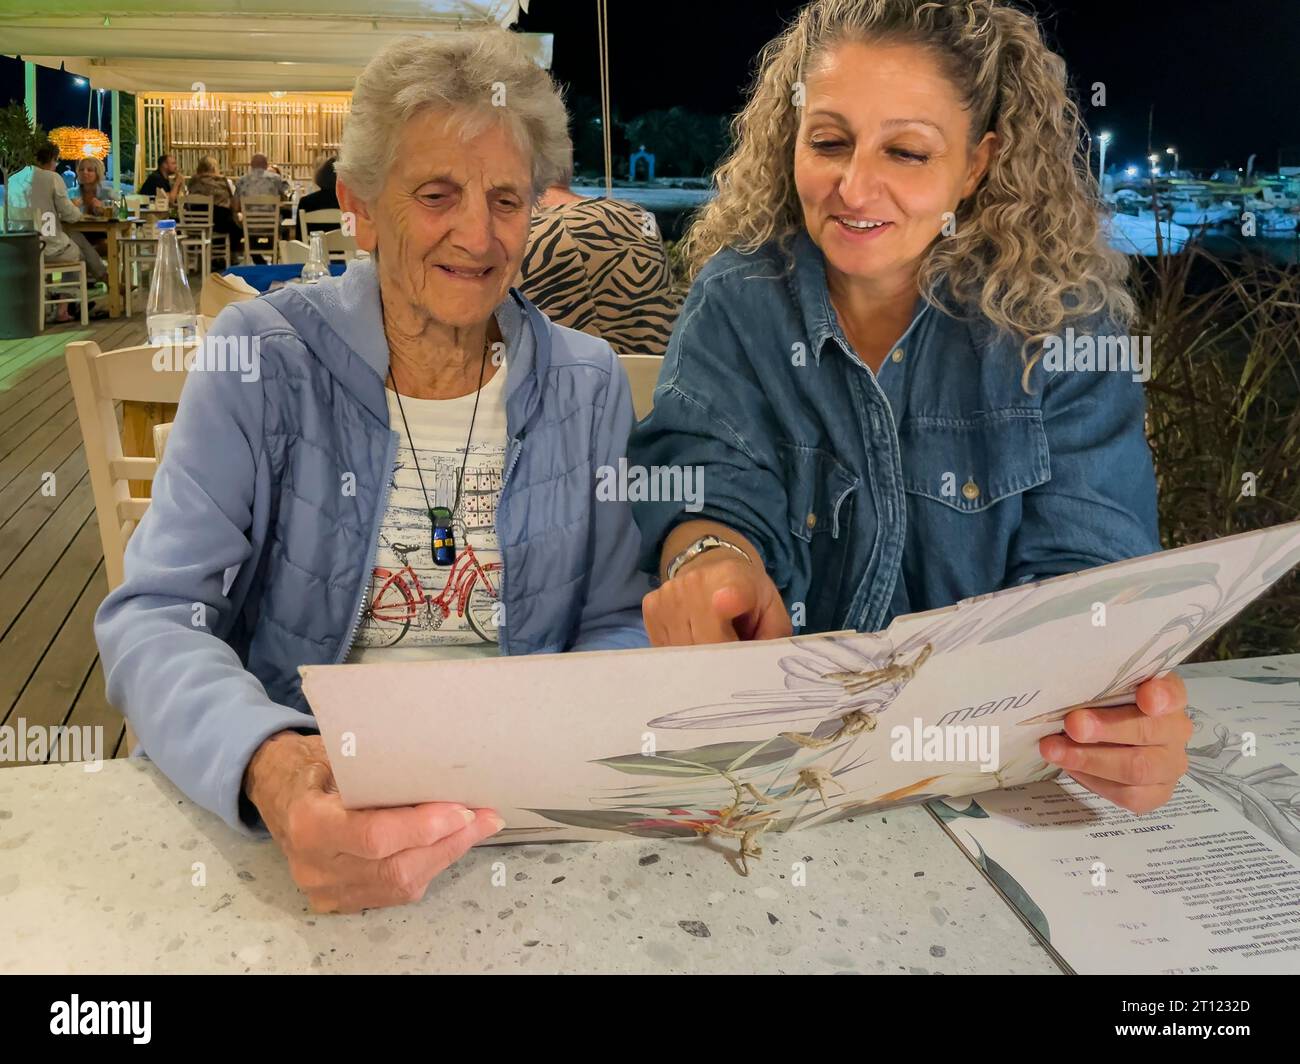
236 45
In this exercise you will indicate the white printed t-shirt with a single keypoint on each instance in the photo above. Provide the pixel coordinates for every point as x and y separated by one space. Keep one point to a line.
410 613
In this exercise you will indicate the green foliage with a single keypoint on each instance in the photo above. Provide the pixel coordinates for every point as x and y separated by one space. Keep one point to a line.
19 138
1223 418
126 136
684 143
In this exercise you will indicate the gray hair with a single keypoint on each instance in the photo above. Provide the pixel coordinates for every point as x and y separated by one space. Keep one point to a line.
477 77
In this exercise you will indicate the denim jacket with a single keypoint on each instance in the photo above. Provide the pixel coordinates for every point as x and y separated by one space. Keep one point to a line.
871 495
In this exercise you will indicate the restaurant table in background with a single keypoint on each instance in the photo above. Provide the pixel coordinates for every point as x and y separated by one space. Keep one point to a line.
112 228
263 277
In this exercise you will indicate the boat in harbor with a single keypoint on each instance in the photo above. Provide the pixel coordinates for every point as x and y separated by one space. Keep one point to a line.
1141 234
1195 211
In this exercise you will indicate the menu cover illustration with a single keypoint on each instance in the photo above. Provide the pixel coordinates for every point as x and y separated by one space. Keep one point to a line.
738 740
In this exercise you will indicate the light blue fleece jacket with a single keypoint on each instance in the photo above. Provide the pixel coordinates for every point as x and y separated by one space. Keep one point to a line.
256 550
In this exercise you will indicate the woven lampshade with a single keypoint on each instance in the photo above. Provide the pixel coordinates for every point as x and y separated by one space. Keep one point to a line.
76 142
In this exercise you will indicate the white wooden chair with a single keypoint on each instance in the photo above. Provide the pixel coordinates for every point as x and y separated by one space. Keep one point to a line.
160 434
101 379
195 218
338 248
218 290
293 252
643 376
261 223
331 216
139 254
63 269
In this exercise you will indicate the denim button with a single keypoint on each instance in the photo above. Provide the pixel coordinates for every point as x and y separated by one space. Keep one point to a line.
811 522
971 490
898 354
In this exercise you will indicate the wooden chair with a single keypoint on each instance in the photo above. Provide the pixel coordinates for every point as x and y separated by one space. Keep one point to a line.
293 252
160 434
218 290
195 217
643 376
338 248
262 223
78 270
100 379
139 254
331 216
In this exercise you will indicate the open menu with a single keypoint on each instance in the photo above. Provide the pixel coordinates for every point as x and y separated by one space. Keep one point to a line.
1210 882
735 740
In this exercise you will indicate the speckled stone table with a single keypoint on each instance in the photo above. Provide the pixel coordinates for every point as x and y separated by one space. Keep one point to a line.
98 874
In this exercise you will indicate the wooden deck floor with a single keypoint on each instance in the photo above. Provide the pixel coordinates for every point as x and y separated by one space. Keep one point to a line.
51 564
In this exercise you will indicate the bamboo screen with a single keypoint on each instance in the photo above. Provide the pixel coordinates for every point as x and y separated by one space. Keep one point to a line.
295 132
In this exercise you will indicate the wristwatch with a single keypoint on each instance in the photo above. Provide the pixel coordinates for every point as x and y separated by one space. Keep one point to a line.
704 543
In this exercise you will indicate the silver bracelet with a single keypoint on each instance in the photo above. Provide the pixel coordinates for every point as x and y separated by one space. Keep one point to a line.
700 546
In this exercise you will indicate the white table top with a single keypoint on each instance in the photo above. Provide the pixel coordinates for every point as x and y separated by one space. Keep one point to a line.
97 875
97 869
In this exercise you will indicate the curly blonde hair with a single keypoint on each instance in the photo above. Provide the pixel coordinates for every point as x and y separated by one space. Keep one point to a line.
1028 251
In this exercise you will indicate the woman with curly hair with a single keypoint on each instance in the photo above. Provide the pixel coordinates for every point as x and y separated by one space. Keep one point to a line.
903 224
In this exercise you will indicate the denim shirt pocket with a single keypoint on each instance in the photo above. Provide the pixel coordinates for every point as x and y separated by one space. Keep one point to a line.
819 508
971 464
818 490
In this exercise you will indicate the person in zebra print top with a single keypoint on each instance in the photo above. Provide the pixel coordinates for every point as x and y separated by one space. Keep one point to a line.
600 265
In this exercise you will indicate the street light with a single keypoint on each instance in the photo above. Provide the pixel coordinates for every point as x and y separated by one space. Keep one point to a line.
1105 139
1154 160
1174 153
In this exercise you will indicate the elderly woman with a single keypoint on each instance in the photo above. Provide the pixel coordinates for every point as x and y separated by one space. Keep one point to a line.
403 470
857 369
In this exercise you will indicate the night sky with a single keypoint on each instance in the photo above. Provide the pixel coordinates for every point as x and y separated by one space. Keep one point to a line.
1224 75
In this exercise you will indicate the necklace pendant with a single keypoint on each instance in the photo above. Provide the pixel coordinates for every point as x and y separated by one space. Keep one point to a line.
444 538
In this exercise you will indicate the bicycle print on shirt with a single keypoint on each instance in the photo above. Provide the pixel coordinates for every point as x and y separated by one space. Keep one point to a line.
413 603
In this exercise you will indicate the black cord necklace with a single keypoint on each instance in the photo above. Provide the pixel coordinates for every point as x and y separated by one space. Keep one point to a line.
442 533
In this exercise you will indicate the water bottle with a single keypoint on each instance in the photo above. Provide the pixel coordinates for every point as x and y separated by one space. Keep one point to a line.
169 317
317 266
